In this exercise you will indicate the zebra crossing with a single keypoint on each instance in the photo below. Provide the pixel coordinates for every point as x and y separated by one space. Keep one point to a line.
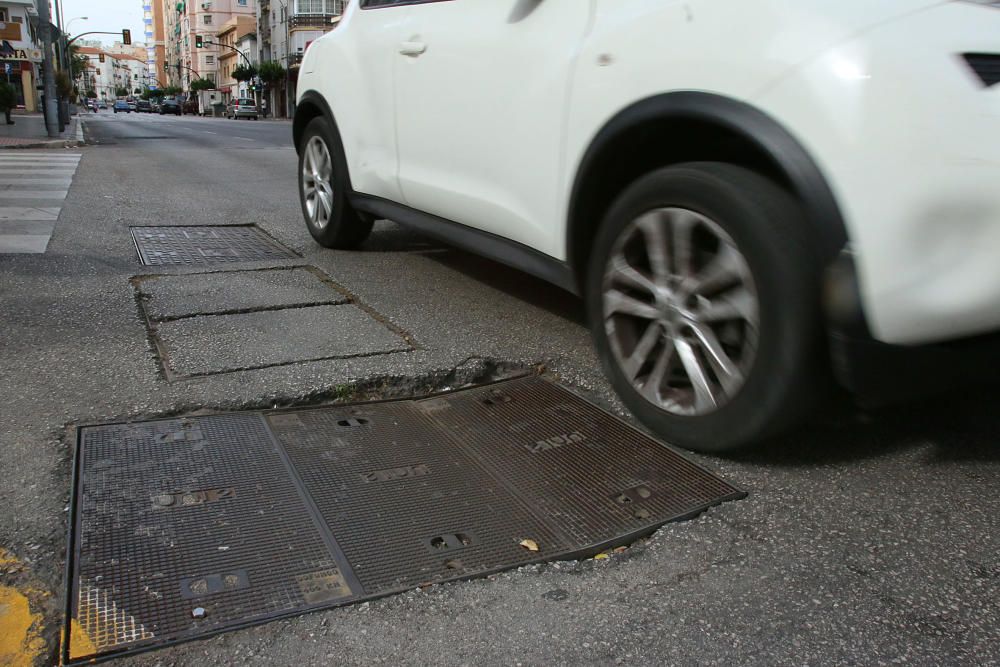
33 185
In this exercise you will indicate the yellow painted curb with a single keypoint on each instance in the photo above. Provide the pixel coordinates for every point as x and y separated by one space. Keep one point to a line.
20 642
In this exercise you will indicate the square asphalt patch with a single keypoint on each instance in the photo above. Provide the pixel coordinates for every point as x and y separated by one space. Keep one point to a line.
225 343
228 321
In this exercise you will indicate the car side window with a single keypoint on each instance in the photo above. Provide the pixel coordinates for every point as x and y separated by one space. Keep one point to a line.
378 4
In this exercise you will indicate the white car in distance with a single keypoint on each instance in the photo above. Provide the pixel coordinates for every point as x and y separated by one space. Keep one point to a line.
736 189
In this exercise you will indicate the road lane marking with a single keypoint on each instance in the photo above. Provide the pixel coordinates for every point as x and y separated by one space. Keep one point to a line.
34 194
28 213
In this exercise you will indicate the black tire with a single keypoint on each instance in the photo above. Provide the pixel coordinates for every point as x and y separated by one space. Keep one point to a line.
766 225
346 228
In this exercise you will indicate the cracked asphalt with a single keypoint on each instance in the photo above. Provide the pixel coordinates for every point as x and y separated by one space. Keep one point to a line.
867 538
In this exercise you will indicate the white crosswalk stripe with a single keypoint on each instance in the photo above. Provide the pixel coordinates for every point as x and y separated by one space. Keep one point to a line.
32 186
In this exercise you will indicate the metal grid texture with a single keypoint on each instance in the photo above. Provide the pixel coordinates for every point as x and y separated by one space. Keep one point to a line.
259 515
205 244
587 472
170 514
406 503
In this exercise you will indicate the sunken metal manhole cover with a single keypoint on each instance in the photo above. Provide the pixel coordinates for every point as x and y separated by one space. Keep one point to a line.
183 528
205 244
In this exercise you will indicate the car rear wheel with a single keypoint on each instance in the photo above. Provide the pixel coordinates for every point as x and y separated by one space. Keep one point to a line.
702 296
323 190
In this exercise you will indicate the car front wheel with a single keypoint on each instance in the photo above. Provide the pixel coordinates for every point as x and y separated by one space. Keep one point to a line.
323 190
703 300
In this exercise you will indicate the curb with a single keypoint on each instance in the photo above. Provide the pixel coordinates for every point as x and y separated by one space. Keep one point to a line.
75 142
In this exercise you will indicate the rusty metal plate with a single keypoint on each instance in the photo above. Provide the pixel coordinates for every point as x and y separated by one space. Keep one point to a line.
205 244
184 528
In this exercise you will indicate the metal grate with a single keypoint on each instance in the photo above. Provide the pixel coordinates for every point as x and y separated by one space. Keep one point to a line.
206 244
187 527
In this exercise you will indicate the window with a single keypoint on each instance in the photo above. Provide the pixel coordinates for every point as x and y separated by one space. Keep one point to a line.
209 60
241 3
374 4
3 15
207 19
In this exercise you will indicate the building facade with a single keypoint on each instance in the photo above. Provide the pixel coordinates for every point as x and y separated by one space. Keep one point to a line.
20 53
285 29
230 55
184 20
118 71
152 19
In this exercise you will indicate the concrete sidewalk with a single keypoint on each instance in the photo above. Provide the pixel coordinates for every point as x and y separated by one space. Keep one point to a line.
28 131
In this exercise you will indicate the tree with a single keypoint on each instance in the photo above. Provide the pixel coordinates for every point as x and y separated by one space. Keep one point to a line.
91 94
244 72
121 92
272 73
64 85
201 84
77 64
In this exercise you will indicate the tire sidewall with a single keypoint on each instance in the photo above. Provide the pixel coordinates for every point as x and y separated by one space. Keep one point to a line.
785 288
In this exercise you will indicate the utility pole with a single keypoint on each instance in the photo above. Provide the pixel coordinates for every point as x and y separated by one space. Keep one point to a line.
48 74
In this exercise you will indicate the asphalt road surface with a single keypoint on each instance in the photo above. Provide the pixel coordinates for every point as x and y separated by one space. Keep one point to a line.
867 538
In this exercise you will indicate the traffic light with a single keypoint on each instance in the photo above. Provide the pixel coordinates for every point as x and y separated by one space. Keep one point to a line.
100 57
126 36
198 42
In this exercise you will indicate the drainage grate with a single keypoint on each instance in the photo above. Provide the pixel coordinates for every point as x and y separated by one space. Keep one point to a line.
187 527
205 244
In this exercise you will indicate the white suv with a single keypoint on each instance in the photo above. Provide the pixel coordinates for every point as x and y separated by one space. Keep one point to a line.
729 185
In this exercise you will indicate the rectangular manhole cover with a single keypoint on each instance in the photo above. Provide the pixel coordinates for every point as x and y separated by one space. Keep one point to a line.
205 244
184 528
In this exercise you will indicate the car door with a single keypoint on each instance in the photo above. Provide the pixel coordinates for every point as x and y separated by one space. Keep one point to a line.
357 83
481 94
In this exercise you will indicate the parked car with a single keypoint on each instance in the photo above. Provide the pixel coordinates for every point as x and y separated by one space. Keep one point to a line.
241 107
170 105
123 106
733 189
144 106
132 105
101 104
191 106
156 107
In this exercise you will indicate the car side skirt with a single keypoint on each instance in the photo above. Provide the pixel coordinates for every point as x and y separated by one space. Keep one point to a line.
489 245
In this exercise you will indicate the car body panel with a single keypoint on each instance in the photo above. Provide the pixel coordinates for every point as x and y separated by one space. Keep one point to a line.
875 94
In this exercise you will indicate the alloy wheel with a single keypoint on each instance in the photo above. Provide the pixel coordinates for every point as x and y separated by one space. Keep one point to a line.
681 311
317 182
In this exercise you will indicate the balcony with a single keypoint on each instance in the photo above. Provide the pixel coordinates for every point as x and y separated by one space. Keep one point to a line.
315 21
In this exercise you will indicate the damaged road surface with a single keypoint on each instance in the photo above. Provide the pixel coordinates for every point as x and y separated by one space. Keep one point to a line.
187 527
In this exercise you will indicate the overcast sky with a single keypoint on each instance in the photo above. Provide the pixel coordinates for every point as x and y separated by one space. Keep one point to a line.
108 15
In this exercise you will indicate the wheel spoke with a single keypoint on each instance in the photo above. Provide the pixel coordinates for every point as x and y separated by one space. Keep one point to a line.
682 225
615 302
704 395
653 227
640 355
729 374
324 200
313 205
735 304
651 387
621 272
722 271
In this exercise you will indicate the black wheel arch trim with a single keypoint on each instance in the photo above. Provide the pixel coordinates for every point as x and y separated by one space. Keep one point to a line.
299 122
766 133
